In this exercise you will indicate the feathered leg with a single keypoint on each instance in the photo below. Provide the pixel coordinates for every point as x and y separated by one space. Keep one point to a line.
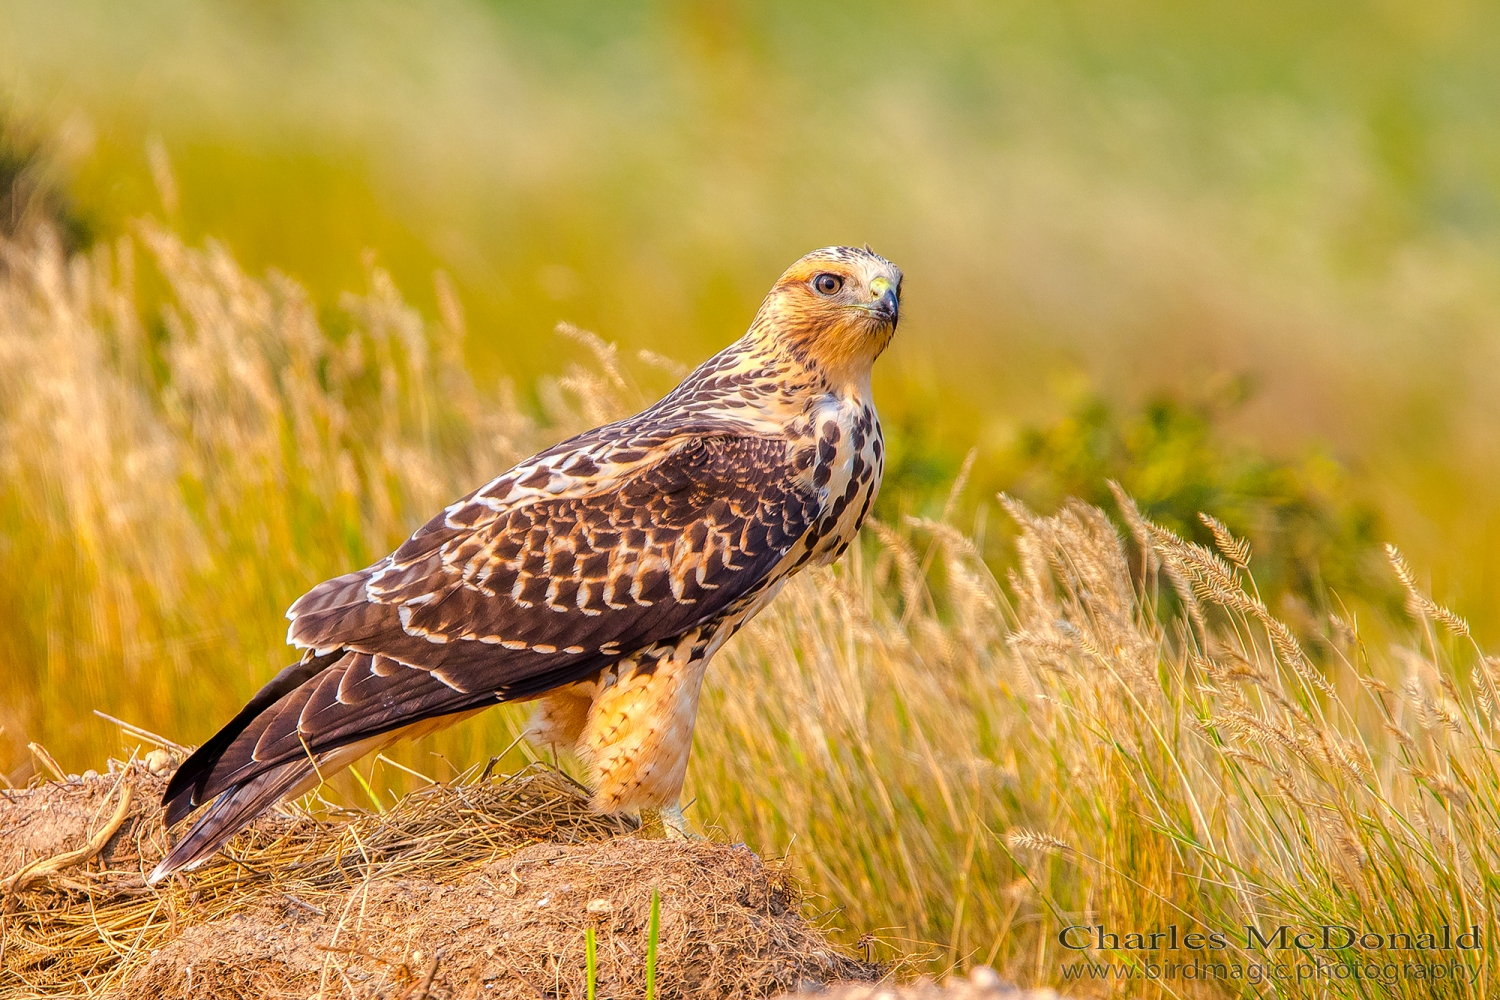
640 733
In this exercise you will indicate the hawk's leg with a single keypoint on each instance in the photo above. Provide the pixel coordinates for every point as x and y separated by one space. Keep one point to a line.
666 823
560 716
639 733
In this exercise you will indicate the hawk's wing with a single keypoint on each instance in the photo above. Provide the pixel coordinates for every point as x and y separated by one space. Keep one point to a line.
513 591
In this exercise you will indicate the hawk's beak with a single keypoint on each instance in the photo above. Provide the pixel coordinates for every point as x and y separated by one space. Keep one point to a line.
886 305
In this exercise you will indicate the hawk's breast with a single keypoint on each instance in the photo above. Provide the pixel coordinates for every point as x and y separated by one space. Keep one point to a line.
844 455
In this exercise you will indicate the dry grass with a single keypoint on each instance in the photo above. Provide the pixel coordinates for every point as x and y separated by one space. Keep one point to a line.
479 884
1119 734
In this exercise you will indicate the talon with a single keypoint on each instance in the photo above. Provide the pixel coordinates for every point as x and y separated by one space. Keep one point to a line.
652 826
666 823
676 824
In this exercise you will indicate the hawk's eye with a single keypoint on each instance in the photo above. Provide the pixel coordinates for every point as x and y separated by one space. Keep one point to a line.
827 284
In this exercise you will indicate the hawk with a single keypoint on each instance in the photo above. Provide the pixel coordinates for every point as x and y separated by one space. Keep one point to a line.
598 577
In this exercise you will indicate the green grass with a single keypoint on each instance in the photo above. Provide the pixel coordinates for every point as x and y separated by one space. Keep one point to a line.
653 941
591 961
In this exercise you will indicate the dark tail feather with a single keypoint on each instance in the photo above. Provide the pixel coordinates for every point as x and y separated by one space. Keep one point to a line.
185 788
230 813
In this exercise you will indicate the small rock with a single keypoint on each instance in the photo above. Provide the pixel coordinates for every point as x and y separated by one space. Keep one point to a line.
159 763
985 978
90 774
600 906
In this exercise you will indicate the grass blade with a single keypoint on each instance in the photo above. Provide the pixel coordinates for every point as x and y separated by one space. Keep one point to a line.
591 960
653 938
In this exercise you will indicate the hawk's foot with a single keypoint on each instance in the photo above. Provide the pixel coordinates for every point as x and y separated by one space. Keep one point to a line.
666 823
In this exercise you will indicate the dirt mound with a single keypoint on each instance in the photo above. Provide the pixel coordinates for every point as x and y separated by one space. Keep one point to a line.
481 887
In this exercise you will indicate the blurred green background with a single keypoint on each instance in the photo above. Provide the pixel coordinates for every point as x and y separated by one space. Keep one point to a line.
1242 257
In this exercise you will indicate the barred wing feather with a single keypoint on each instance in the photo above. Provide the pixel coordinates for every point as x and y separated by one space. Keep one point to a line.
492 601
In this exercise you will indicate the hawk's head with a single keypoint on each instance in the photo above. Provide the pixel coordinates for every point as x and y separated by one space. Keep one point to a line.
837 308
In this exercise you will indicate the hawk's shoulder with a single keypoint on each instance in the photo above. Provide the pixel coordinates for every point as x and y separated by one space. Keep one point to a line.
581 552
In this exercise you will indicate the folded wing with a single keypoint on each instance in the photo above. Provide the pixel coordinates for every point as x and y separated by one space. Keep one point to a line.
511 592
